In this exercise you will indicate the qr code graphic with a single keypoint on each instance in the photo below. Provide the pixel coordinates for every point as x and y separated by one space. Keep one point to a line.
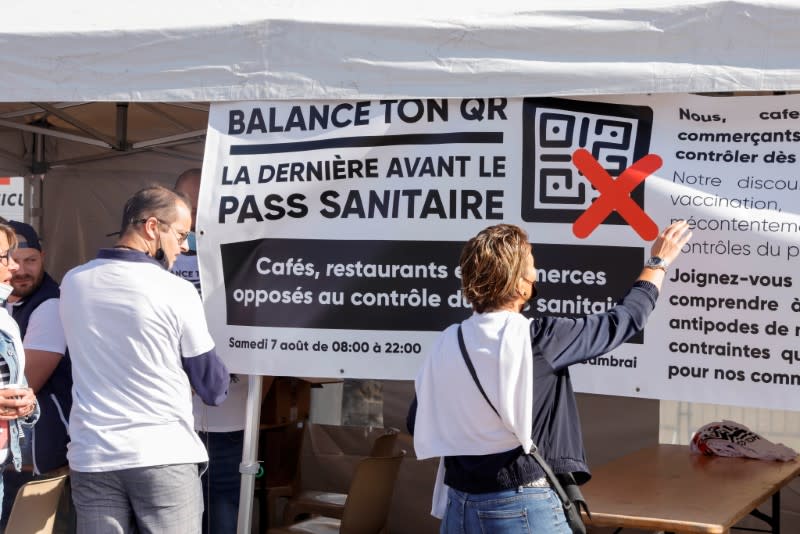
553 190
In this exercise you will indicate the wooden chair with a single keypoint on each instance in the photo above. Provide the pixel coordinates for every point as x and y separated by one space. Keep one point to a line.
281 449
384 444
331 504
34 510
366 508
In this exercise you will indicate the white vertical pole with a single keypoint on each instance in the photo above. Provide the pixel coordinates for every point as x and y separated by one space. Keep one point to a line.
249 466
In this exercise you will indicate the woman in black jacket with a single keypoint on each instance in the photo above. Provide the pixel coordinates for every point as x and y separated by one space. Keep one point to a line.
487 481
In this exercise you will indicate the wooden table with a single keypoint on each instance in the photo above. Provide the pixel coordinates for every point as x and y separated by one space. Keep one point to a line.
668 488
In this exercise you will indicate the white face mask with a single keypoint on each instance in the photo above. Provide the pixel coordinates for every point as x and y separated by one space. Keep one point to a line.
5 292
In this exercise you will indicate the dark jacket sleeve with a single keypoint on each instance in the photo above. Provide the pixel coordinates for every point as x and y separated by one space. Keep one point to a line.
564 341
208 376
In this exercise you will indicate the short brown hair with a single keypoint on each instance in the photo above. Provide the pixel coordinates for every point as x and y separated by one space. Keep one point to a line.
491 263
155 201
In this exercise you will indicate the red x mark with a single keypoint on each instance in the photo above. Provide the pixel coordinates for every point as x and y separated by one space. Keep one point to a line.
615 195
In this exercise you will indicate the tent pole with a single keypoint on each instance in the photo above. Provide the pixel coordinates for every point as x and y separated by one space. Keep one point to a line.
69 119
170 138
53 133
249 466
122 126
34 190
38 165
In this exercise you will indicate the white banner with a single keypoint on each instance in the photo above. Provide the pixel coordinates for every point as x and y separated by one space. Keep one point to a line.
330 232
12 197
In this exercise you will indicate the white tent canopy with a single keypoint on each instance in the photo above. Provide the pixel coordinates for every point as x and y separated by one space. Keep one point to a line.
253 50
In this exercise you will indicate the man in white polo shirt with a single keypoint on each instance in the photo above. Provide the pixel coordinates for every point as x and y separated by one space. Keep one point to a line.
139 345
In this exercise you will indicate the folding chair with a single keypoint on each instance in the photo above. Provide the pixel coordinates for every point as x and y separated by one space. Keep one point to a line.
34 510
366 508
281 453
384 444
331 504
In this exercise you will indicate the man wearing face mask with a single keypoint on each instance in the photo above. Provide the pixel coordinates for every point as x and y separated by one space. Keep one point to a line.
34 306
221 428
139 345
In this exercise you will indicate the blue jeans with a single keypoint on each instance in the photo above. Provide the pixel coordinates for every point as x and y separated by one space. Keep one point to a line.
223 476
162 499
513 511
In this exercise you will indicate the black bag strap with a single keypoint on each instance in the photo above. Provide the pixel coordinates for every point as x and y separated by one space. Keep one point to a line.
471 368
566 500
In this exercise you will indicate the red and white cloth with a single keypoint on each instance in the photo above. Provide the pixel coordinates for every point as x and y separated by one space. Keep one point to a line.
729 438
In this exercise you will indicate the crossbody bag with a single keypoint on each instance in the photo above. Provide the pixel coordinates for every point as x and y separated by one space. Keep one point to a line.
569 493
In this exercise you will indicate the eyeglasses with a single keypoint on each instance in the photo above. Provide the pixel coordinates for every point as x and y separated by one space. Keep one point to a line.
180 236
534 291
4 258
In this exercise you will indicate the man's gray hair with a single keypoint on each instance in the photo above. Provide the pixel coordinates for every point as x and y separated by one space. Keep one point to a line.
155 201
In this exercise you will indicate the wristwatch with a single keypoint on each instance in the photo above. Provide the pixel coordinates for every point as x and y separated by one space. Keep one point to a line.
656 263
